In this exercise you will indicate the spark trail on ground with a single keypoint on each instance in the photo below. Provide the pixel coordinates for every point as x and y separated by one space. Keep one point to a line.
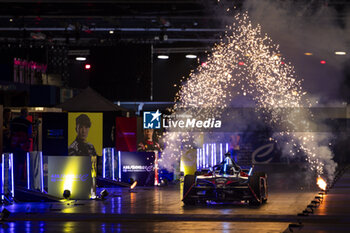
247 63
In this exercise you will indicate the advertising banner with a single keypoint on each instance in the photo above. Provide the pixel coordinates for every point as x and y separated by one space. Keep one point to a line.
85 133
137 166
71 173
126 129
55 134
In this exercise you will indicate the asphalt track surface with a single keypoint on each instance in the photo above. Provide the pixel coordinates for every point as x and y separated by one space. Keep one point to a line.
160 209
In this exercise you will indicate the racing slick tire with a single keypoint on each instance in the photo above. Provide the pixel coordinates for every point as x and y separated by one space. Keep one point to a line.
264 189
187 190
259 188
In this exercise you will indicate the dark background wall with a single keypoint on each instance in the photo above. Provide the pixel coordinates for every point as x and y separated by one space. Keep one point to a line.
121 72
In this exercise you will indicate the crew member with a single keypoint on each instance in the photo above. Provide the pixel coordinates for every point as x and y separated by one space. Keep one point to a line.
6 130
21 134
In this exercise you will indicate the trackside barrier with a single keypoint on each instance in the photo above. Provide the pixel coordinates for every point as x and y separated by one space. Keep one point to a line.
7 178
110 166
35 171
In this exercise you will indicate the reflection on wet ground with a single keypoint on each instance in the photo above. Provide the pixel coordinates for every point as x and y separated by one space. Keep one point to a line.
160 209
333 214
167 200
98 227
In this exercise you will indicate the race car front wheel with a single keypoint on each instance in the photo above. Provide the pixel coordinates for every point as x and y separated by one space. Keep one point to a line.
188 190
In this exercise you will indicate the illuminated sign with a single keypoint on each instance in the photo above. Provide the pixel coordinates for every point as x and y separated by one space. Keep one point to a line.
62 177
151 120
55 133
71 173
192 123
137 166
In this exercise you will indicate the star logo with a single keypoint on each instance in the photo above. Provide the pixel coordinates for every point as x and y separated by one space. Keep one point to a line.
156 115
151 120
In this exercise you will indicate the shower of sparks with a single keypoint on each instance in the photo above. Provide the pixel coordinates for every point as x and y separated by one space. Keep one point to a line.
247 63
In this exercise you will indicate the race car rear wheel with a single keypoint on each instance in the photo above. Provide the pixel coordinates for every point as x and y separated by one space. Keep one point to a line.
263 186
259 187
187 190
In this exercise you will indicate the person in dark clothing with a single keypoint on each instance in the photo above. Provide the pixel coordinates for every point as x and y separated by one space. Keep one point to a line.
80 146
6 130
21 134
21 131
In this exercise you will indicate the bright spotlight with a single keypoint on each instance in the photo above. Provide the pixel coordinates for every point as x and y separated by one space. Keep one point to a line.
4 214
111 32
164 57
191 56
66 194
103 194
87 66
80 58
340 53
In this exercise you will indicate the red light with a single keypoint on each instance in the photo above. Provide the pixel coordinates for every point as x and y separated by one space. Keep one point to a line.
87 66
241 63
204 64
323 62
243 174
282 63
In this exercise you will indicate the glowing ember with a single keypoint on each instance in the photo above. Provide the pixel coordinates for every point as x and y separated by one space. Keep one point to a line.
133 185
321 183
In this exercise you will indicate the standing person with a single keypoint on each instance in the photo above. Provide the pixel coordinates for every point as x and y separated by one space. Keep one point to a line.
21 134
6 130
80 146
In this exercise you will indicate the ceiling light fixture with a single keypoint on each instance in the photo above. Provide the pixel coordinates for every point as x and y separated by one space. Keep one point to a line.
340 53
164 57
191 56
80 58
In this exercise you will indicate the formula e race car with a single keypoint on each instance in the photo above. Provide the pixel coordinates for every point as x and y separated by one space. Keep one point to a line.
225 182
